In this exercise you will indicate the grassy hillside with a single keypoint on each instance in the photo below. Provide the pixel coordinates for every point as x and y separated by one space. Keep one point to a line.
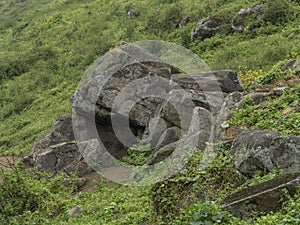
46 45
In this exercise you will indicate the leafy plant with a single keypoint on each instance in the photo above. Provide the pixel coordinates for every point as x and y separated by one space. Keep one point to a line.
137 155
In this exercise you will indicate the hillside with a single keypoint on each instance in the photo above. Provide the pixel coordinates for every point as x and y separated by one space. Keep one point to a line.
46 47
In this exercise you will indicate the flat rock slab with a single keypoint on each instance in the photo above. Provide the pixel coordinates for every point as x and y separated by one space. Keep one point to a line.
263 198
216 81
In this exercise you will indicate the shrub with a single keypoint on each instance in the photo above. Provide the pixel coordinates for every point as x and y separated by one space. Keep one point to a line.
24 192
277 12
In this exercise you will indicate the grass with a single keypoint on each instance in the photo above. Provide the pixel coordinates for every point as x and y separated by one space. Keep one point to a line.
45 47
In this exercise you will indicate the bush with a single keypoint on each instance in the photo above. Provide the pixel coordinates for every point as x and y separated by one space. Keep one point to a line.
277 12
27 193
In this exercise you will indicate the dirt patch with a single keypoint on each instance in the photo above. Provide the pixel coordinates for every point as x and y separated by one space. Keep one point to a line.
8 162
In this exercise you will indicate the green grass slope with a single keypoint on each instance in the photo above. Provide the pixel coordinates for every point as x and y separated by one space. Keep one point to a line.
46 46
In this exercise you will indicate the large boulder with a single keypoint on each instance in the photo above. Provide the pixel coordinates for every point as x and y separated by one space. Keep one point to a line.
251 150
120 96
262 198
122 73
57 151
206 90
63 157
215 81
285 153
171 135
260 150
208 27
156 128
246 17
162 153
198 136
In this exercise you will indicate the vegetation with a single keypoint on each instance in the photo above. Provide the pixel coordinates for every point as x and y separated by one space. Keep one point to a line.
45 47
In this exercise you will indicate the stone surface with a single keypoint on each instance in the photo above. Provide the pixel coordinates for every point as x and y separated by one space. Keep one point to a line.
232 102
285 153
177 109
207 27
251 150
259 150
57 151
246 17
263 198
61 131
156 128
201 131
171 135
124 75
63 157
161 154
184 21
75 211
216 81
258 97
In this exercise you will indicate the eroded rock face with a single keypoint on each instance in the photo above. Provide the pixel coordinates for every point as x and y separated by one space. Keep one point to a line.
61 131
118 92
261 150
263 198
57 151
162 153
208 27
252 151
245 17
285 153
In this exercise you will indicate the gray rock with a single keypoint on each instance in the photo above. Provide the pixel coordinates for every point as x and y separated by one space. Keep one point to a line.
75 211
285 153
251 150
208 27
278 91
61 131
201 131
63 157
263 198
161 154
199 135
156 128
171 135
177 109
246 17
132 14
259 150
216 81
232 102
258 97
125 75
184 21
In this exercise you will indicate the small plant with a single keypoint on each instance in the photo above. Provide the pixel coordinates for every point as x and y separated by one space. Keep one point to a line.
30 192
274 74
137 155
206 213
250 77
277 12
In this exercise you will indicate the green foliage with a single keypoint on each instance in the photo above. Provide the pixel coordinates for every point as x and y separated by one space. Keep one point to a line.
197 182
45 47
205 213
277 72
22 193
269 115
278 12
137 155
